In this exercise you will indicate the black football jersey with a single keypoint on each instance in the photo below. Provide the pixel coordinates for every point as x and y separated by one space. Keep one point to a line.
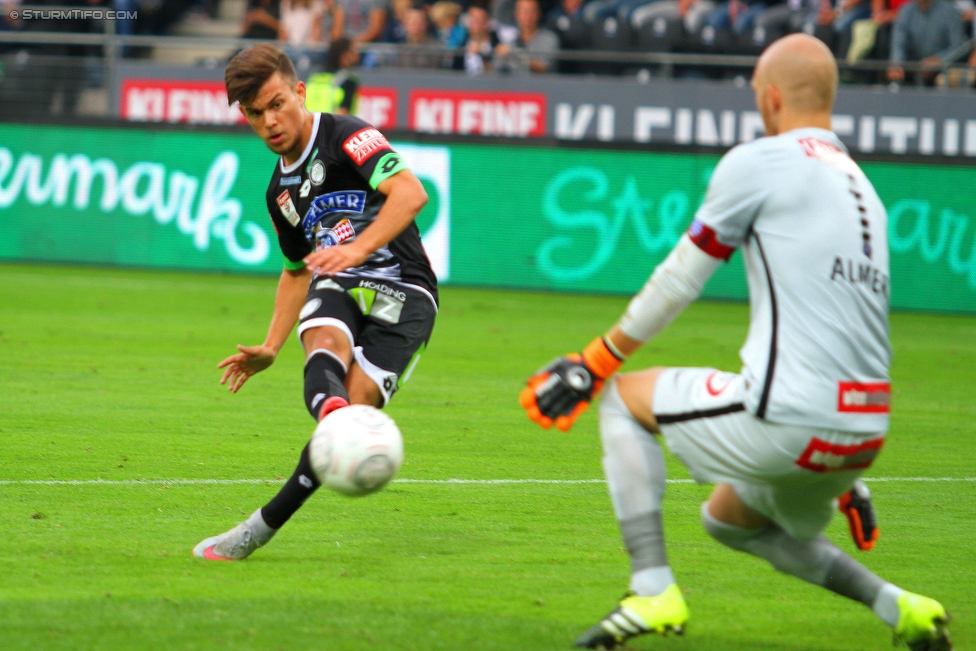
329 196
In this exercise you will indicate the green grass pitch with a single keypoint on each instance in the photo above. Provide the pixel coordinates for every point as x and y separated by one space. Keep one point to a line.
111 374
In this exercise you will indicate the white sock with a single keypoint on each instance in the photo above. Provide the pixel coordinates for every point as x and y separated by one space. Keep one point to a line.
634 466
651 581
886 605
260 530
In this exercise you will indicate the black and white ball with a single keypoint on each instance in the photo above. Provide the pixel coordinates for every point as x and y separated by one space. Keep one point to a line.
356 450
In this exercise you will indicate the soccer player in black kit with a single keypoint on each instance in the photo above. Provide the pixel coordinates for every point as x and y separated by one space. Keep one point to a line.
356 278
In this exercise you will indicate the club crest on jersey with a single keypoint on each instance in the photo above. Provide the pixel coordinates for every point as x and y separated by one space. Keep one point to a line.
316 173
290 180
364 143
326 204
336 235
287 207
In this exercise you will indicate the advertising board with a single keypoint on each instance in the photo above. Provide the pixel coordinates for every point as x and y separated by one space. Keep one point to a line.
893 120
529 217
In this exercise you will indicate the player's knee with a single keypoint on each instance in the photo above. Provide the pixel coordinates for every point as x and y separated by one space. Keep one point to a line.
636 391
731 536
328 338
611 404
613 413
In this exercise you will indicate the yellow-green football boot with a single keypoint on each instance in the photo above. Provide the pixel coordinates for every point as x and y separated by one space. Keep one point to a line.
922 623
635 616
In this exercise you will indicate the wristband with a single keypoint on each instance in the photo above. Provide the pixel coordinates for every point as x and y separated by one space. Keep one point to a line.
600 356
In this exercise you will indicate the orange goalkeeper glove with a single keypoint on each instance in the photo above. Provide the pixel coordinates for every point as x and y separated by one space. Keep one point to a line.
856 505
561 392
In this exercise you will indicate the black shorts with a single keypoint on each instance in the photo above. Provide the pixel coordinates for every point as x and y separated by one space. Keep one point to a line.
388 324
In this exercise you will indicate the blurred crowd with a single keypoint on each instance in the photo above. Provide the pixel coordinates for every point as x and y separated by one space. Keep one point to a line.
528 35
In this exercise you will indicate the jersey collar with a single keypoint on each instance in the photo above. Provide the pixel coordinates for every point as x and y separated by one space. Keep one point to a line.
288 169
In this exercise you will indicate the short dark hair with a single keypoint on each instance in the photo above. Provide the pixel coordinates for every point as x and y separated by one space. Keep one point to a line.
338 47
250 68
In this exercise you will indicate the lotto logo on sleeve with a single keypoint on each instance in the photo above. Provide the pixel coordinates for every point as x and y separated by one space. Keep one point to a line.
858 398
364 143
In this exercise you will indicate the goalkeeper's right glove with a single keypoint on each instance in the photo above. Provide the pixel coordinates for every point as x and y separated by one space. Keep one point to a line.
560 392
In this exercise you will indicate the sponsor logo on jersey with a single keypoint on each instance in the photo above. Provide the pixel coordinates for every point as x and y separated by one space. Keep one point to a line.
379 301
333 202
290 180
316 173
858 398
336 235
364 143
287 207
383 289
821 456
717 382
305 189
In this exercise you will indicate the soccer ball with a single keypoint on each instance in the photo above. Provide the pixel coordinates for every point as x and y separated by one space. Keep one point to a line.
356 450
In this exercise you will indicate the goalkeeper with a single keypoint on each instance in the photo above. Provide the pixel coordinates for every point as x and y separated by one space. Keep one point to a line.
809 411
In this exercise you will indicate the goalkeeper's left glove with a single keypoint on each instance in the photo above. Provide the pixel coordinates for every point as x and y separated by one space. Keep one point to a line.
857 506
561 391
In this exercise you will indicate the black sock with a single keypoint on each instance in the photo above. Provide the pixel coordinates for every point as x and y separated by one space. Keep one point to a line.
324 377
292 495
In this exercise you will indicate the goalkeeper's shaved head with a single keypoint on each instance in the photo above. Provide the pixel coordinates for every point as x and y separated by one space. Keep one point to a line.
795 79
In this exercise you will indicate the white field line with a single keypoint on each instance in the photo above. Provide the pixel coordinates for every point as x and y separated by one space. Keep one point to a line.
481 482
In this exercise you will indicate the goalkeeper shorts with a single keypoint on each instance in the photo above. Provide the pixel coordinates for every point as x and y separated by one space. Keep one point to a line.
791 474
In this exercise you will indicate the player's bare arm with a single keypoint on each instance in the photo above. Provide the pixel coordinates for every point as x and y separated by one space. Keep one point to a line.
292 286
406 197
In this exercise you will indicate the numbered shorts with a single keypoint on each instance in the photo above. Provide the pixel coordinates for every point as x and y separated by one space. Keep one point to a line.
388 323
789 473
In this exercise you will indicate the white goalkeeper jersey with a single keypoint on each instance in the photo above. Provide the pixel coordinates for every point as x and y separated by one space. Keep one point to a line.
813 234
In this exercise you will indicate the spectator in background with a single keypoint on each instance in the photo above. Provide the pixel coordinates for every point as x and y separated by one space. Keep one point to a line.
6 22
300 26
533 48
362 20
395 31
262 20
567 9
795 16
691 13
925 31
503 11
337 89
419 44
848 12
481 39
737 15
884 12
445 16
